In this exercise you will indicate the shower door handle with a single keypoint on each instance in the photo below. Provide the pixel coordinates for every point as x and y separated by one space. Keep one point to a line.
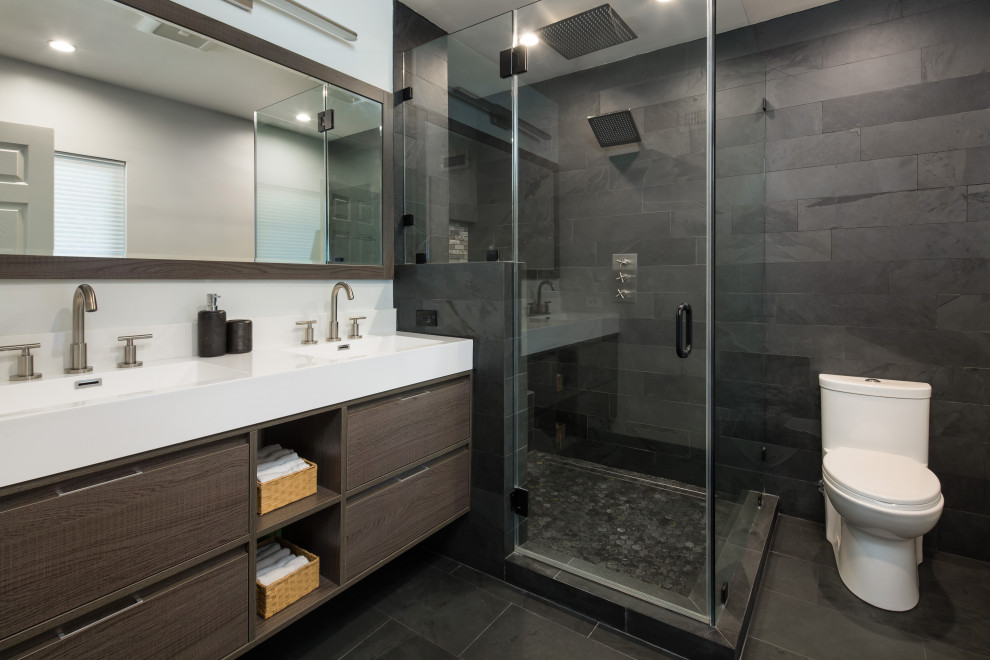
684 330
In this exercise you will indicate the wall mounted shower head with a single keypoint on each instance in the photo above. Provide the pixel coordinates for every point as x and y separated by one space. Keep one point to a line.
586 32
615 128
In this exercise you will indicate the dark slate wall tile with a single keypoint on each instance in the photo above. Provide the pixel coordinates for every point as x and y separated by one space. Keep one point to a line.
861 178
795 121
939 241
871 75
955 168
874 210
813 150
921 136
941 276
931 99
955 59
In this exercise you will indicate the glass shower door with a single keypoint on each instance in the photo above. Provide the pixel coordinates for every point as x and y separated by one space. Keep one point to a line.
612 234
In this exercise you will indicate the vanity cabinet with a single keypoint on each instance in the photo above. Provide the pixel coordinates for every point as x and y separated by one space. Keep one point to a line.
194 617
392 517
153 556
389 433
71 542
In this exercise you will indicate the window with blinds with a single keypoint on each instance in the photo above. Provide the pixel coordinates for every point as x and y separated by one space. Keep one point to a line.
89 207
289 225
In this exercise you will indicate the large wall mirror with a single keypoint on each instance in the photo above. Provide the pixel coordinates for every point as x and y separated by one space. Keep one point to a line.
128 137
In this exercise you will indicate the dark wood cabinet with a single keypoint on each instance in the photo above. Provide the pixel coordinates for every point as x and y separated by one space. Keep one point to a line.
202 616
153 556
390 519
387 434
68 544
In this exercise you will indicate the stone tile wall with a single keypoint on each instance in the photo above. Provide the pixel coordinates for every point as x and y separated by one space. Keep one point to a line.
877 236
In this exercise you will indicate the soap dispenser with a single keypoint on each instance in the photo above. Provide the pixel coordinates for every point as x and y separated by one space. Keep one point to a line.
212 329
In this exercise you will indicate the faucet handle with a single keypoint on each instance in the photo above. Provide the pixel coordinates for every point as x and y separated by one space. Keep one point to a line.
308 337
355 328
25 361
130 351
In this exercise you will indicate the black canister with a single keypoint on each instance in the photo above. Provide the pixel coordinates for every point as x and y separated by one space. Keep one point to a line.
210 329
239 336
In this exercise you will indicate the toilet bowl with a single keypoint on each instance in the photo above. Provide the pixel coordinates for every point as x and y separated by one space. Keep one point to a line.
880 495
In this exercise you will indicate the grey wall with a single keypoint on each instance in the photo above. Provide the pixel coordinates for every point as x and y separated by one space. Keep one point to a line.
190 179
474 300
877 244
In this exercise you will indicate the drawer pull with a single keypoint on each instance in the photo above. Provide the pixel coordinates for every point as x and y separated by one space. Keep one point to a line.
412 473
137 601
102 483
406 398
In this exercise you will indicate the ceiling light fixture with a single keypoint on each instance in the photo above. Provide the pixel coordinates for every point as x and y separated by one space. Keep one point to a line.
62 46
529 39
302 116
663 0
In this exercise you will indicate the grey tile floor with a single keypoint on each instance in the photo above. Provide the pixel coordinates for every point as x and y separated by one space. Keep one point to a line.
425 607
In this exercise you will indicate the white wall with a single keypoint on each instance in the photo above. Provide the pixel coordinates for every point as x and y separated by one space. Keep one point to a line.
190 171
368 59
41 311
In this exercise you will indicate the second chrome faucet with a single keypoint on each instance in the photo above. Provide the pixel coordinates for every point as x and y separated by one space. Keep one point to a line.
334 326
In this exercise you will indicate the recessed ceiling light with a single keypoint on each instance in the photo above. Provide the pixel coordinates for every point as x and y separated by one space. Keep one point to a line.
302 116
529 39
663 0
62 46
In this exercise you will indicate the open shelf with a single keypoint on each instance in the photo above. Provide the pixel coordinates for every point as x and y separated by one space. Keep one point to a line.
290 513
318 596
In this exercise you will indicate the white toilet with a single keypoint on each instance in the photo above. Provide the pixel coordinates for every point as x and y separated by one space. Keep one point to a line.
880 496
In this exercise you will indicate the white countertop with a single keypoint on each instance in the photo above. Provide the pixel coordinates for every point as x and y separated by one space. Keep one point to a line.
248 389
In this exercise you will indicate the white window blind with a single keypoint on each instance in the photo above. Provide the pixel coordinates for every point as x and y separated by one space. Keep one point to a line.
89 207
289 225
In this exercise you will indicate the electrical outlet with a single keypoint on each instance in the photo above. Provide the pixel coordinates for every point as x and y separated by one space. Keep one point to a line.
593 302
426 317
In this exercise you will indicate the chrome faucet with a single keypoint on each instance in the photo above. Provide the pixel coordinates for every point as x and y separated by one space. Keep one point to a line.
334 326
83 300
540 307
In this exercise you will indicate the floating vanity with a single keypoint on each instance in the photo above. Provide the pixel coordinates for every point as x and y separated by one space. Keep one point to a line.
128 513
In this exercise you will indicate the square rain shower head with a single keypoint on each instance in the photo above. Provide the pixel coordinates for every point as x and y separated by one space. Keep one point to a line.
586 32
615 128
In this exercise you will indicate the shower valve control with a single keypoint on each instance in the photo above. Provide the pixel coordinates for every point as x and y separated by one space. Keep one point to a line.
624 271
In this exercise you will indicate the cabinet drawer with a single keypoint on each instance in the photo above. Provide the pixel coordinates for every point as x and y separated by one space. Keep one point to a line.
204 616
387 520
388 435
66 545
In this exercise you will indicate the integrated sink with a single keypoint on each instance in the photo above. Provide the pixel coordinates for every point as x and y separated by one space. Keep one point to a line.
78 389
349 349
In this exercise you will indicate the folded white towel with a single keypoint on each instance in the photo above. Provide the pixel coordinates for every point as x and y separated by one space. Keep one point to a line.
282 470
267 550
270 449
272 559
277 565
288 569
280 456
281 460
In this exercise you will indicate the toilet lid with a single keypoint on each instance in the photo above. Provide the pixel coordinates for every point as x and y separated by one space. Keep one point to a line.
882 477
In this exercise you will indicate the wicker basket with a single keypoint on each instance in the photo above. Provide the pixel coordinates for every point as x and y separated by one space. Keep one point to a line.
285 490
280 594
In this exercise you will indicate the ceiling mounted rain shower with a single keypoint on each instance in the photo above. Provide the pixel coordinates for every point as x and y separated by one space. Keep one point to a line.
615 128
586 32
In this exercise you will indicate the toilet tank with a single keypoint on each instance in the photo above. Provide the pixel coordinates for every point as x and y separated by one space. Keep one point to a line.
882 415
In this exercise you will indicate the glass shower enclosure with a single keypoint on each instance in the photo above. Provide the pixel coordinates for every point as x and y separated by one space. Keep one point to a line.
594 172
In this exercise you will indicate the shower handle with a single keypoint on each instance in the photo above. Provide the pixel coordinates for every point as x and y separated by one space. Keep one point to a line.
684 330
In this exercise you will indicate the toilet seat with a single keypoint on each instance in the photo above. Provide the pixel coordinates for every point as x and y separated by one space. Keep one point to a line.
885 479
